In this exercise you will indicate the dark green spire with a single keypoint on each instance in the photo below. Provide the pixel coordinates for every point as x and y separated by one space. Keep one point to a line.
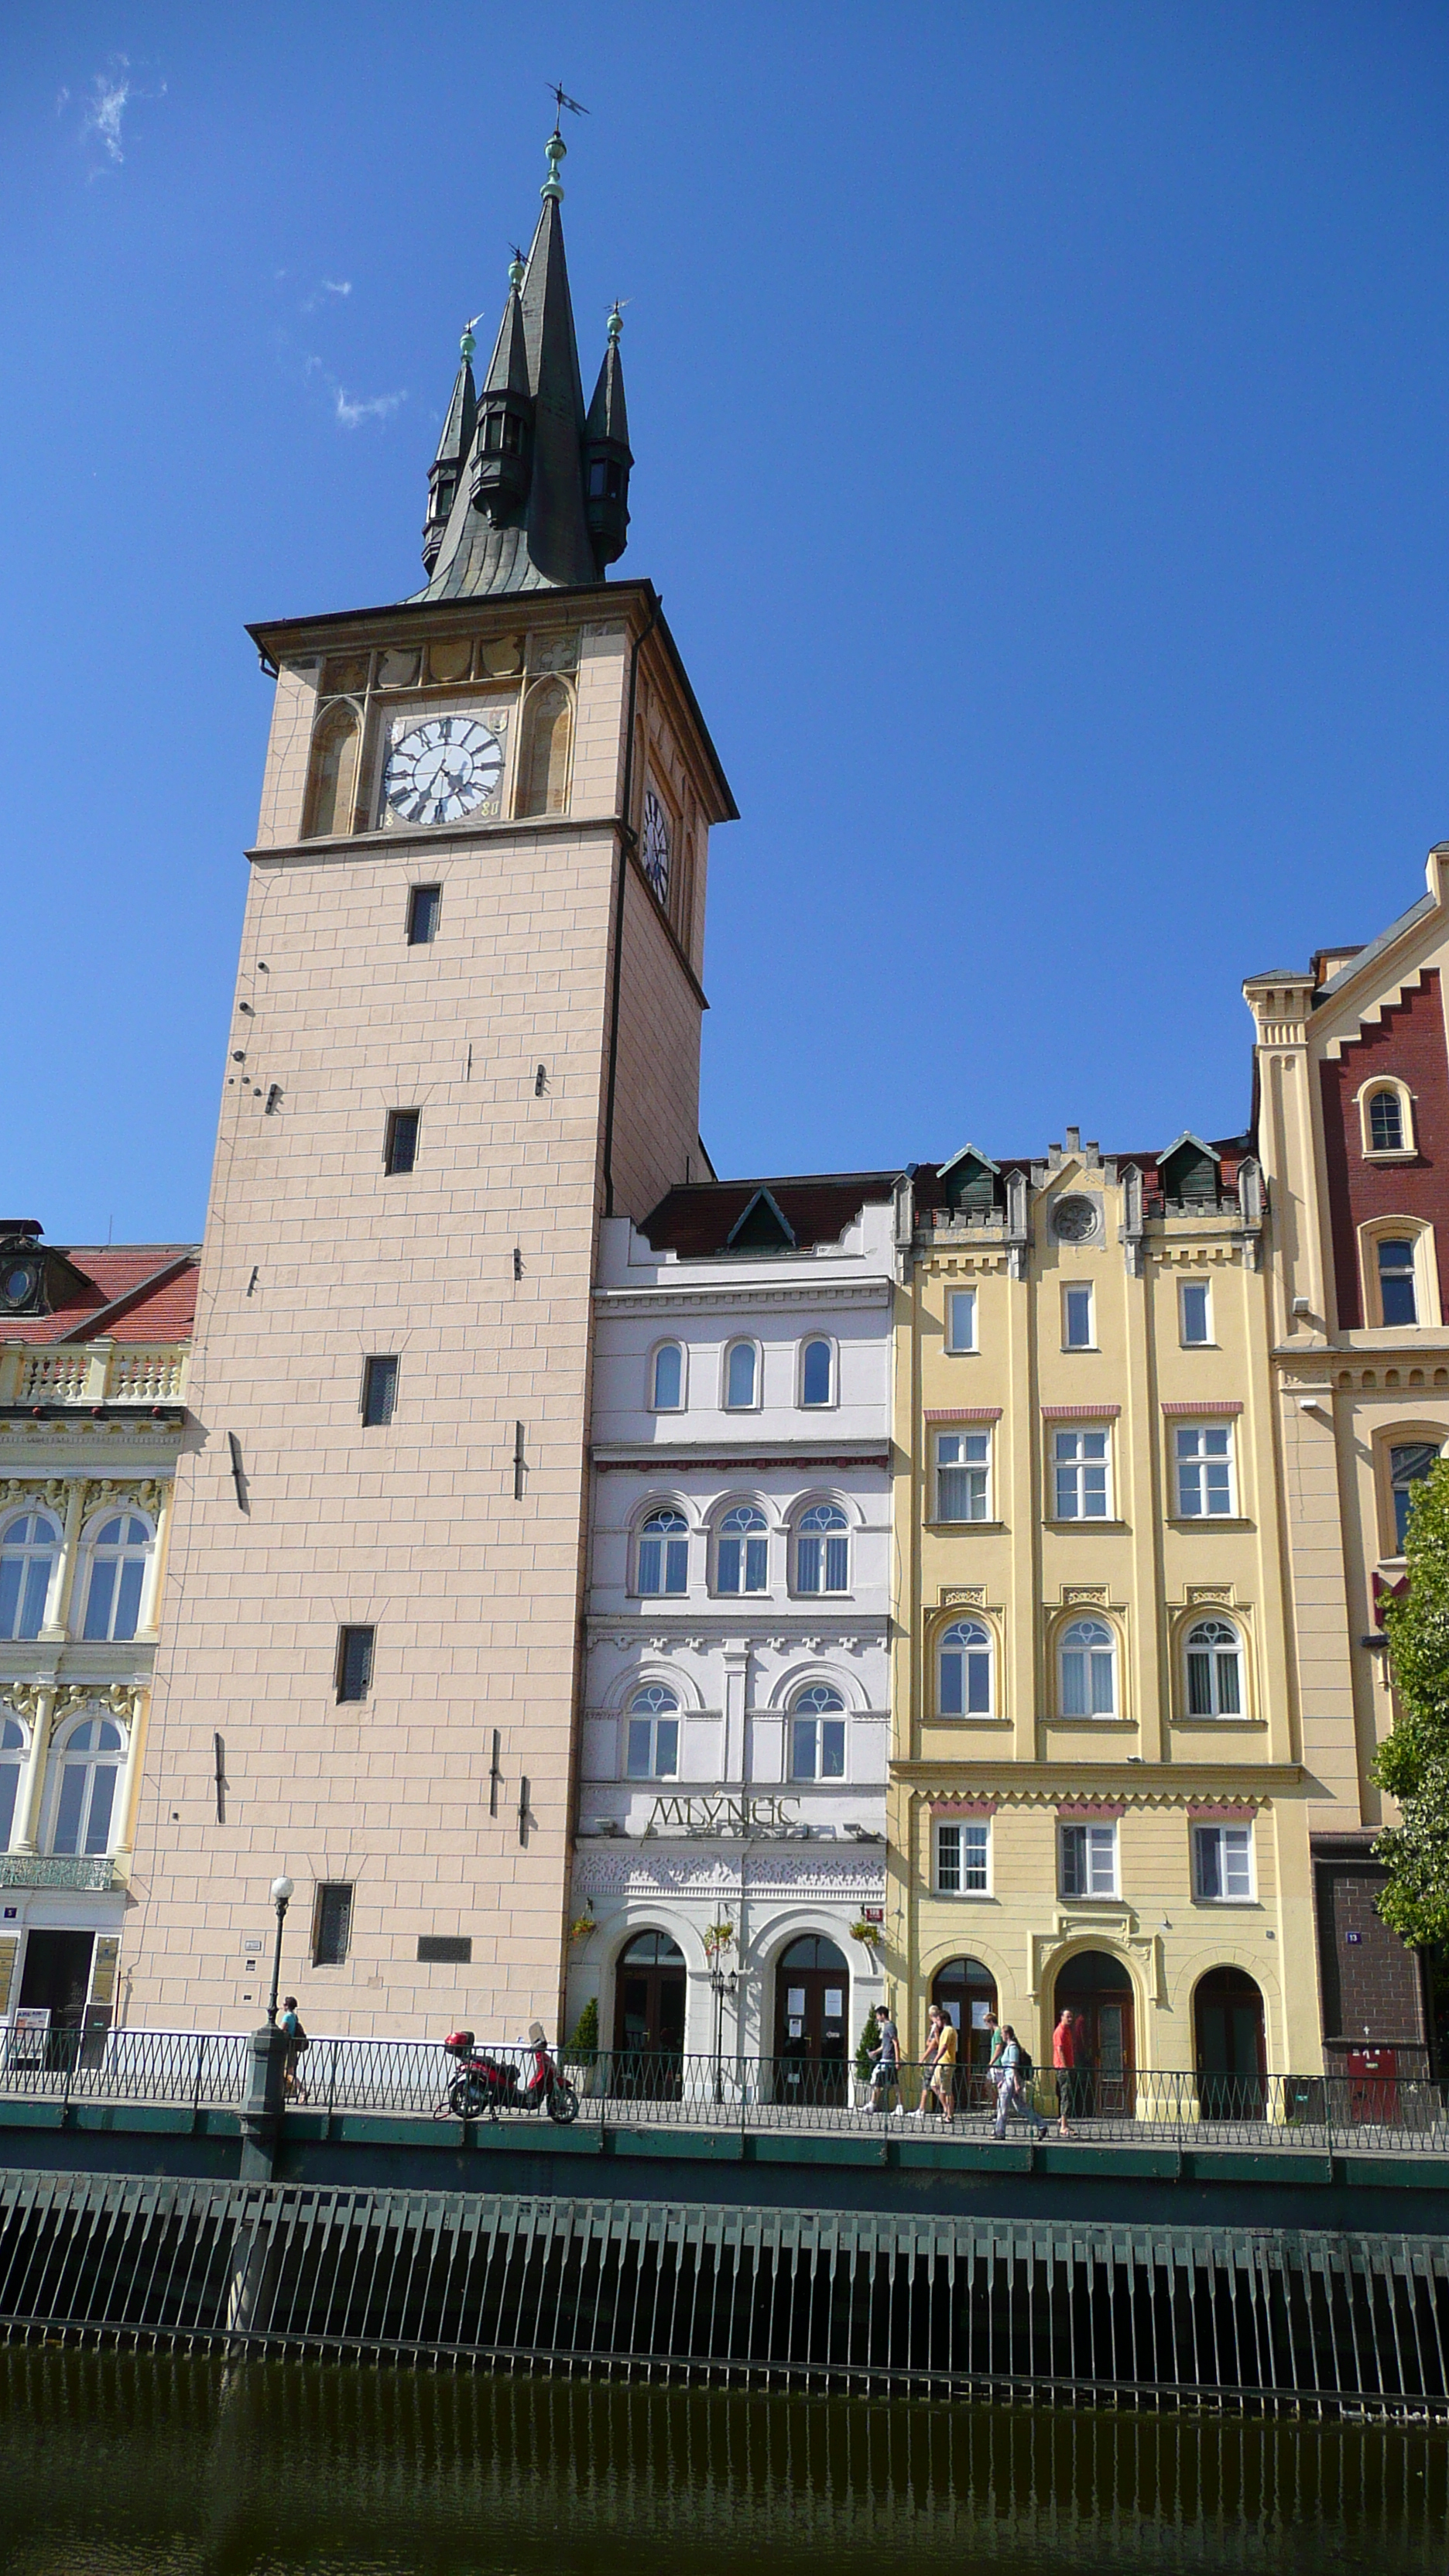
606 454
445 472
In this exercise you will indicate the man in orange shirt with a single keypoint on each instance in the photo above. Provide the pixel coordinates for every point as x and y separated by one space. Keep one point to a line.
1064 2059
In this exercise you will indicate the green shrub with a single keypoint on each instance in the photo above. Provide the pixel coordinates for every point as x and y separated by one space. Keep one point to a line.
583 2048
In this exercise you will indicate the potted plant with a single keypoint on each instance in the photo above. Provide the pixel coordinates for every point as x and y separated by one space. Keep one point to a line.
582 2052
868 1934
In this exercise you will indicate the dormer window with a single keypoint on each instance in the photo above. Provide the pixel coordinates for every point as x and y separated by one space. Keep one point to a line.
606 479
502 434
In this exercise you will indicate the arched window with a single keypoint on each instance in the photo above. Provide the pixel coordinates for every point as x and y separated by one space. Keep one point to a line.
1089 1669
334 774
28 1554
1398 1297
742 1550
120 1550
651 1745
664 1553
666 1390
85 1797
966 1670
822 1550
816 1373
12 1758
817 1734
1386 1122
1214 1669
1409 1464
742 1375
543 769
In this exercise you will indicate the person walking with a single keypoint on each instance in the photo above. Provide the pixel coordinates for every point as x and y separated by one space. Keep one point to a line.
928 2062
297 2045
886 2060
1011 2090
1064 2059
943 2069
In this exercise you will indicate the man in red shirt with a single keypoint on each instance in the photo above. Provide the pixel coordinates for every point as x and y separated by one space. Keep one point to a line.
1064 2059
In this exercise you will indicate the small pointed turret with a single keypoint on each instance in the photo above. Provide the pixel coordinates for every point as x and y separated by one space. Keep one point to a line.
606 454
453 447
504 438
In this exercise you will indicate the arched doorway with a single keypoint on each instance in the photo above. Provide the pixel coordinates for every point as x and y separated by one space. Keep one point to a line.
966 1993
1099 1991
812 2001
650 1985
1232 2053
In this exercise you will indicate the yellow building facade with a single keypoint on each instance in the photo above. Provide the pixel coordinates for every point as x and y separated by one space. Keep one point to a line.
1098 1794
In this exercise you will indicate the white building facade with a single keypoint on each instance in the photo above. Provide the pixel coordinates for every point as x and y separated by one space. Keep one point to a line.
729 1872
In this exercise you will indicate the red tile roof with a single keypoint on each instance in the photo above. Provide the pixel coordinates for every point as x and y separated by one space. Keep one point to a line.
696 1219
112 1295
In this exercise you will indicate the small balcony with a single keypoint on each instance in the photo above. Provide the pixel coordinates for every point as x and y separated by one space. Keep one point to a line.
91 1375
78 1874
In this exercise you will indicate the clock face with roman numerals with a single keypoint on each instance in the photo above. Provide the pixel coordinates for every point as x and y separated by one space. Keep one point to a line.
655 852
443 768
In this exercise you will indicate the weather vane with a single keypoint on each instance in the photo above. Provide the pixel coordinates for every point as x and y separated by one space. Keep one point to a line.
561 100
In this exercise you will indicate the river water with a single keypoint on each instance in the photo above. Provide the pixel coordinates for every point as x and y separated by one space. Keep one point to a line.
124 2464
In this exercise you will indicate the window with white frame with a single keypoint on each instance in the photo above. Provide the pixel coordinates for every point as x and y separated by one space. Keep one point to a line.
742 1376
651 1735
1387 1124
965 1669
120 1551
963 1463
742 1550
666 1386
1222 1864
663 1553
1398 1288
822 1550
960 1319
1214 1669
1194 1309
88 1776
1409 1464
817 1734
1087 1656
1077 1333
1204 1470
962 1859
12 1763
29 1553
817 1374
1087 1857
1079 1473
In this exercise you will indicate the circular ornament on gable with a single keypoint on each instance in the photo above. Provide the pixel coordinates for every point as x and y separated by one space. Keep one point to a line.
1077 1220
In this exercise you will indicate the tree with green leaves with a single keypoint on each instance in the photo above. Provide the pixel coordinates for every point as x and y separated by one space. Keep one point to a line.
1413 1762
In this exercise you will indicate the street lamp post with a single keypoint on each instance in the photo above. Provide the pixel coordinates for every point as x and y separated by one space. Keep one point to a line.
723 1983
266 2089
283 1892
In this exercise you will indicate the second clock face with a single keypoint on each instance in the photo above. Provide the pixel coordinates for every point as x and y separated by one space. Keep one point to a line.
655 851
443 768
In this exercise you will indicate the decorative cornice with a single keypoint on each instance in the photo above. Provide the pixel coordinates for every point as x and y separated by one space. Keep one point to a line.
963 1413
786 1291
612 1456
861 1628
1051 1784
1200 1412
1080 1412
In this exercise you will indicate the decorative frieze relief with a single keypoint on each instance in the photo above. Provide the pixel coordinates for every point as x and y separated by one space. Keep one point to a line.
700 1874
52 1491
143 1493
833 1293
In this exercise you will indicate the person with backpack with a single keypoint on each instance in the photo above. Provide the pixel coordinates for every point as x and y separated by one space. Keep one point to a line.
886 2063
1015 2076
297 2046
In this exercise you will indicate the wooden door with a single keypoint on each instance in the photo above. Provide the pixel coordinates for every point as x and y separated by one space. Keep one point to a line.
812 2006
650 1991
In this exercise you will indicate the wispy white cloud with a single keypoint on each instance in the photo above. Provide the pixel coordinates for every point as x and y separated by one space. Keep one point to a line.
103 110
351 410
338 286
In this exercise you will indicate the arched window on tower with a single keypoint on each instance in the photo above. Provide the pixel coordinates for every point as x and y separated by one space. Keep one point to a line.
543 769
332 789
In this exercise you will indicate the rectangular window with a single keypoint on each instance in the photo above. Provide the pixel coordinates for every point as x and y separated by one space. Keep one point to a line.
1194 1314
1204 1470
446 1949
1077 1319
1079 1470
962 1460
652 1751
379 1390
354 1662
1222 1863
961 1319
424 905
1408 1468
962 1860
1398 1303
817 1748
400 1147
331 1924
1088 1859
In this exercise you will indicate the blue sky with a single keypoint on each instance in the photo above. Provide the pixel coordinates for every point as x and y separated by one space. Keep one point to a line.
1039 414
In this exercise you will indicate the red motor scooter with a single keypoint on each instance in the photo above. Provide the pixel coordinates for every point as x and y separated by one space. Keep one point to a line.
487 2085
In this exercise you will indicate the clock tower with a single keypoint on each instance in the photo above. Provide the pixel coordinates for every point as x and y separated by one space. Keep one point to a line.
466 1029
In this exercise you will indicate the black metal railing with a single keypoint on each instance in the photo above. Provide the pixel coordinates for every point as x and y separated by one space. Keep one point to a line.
1131 2106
